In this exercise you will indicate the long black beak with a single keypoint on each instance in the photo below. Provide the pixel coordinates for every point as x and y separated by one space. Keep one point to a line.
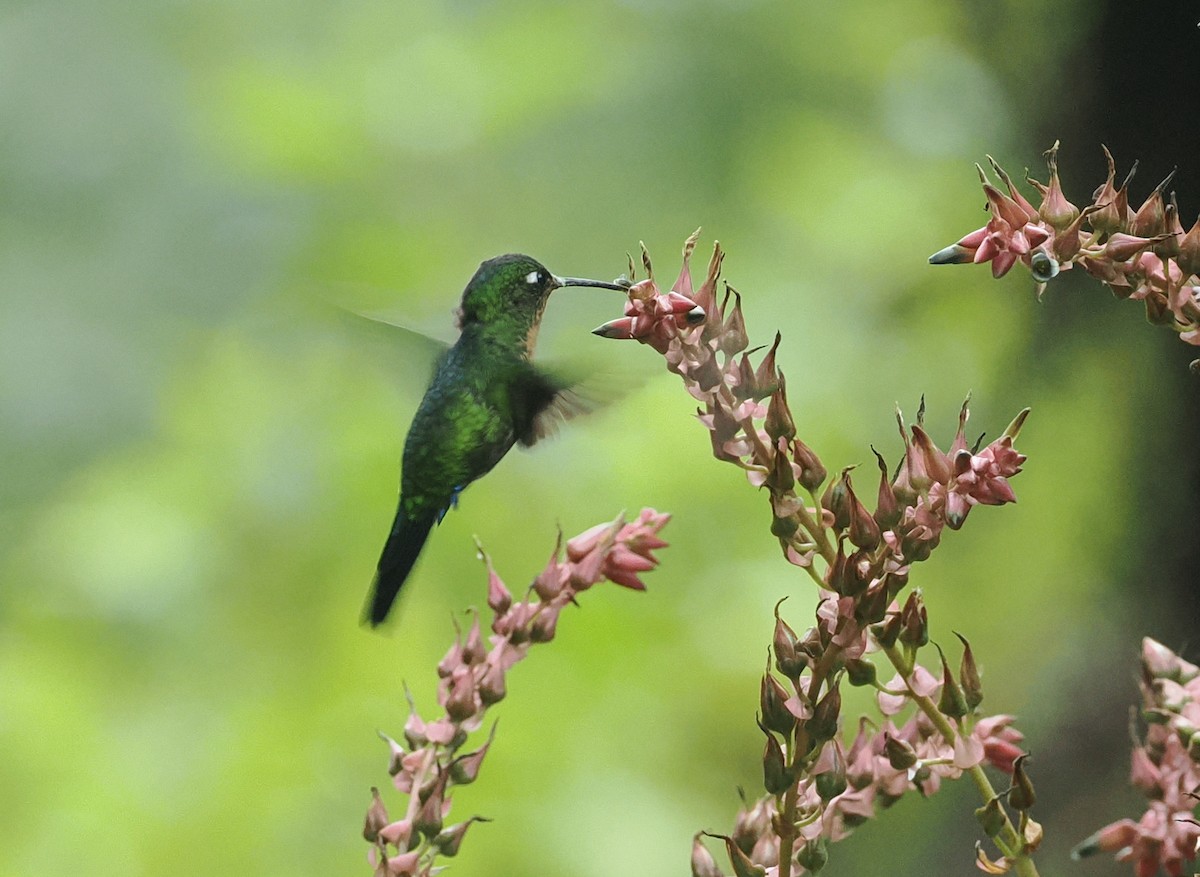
583 281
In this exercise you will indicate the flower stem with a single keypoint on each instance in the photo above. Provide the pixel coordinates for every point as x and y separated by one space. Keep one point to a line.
1008 840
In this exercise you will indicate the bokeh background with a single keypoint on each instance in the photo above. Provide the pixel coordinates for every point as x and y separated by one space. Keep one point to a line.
197 470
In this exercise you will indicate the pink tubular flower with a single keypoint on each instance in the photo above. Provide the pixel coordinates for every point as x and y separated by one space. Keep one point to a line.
1000 741
1010 235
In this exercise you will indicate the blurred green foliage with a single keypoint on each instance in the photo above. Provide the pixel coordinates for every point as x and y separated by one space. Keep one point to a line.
197 474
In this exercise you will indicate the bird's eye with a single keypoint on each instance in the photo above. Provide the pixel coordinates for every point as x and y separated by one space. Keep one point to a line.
534 278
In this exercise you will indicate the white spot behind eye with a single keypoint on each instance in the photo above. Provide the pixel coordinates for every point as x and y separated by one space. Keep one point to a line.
533 278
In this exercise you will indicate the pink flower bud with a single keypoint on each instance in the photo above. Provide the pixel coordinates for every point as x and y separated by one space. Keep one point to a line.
1151 219
499 598
1003 207
703 863
460 701
428 819
1144 775
1188 257
1113 838
544 625
491 686
1112 205
1056 211
1123 247
1027 209
733 339
473 650
464 770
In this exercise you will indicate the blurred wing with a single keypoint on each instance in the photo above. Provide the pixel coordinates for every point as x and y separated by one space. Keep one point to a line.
555 394
393 344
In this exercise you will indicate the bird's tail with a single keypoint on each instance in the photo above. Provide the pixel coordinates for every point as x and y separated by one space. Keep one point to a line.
399 554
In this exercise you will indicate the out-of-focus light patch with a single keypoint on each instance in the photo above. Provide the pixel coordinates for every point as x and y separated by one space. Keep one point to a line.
723 645
126 553
75 91
428 97
281 122
628 816
147 755
937 100
59 372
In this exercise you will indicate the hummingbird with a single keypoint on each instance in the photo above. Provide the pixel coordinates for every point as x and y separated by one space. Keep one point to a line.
485 396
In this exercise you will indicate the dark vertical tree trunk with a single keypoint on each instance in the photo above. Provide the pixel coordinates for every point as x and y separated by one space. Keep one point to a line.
1139 94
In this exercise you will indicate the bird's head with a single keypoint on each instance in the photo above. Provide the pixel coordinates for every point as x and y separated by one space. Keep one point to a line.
513 290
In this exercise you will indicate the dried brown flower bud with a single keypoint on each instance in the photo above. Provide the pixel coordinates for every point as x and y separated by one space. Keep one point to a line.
772 698
777 777
742 865
778 422
888 632
428 819
836 500
899 753
826 714
1056 211
968 675
860 671
814 855
991 817
1151 218
914 624
951 702
733 332
377 817
449 839
812 471
766 377
887 508
1021 795
789 660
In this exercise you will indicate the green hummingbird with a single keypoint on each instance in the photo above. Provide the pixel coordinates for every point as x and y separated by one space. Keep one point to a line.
485 396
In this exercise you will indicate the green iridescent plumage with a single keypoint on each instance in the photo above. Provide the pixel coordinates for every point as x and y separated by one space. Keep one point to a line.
486 395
